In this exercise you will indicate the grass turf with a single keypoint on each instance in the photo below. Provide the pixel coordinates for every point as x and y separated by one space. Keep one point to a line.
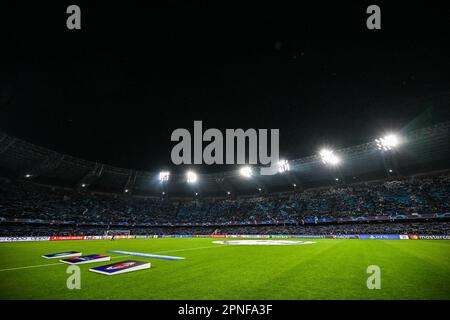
327 269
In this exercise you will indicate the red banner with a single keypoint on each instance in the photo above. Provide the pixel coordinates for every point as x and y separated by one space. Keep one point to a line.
57 238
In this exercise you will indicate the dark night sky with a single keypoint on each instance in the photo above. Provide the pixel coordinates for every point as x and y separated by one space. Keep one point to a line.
115 90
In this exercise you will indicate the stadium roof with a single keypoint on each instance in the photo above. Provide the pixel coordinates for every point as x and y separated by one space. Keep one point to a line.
420 151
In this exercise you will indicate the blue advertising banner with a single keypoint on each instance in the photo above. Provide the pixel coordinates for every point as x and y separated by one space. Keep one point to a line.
379 236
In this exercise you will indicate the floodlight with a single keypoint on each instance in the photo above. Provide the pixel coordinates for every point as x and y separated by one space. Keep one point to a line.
228 192
83 185
126 190
294 185
164 176
388 142
246 172
283 166
163 193
328 157
191 177
28 175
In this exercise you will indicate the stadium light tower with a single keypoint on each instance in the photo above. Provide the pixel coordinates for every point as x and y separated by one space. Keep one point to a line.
388 142
191 177
164 176
328 157
283 166
246 172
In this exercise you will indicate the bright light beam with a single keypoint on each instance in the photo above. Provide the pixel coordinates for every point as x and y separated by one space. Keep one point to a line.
283 166
328 157
246 172
191 177
164 176
388 142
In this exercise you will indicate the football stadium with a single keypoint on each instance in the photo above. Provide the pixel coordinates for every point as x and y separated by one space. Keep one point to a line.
166 154
311 231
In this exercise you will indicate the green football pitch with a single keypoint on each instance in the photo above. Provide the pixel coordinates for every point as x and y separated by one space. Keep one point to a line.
327 269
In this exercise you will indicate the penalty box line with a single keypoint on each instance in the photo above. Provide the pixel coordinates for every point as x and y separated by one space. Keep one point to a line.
114 257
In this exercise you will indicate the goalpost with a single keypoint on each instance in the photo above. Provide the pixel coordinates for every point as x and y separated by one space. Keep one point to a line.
117 232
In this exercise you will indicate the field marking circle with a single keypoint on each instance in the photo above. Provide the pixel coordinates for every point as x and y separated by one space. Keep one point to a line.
263 242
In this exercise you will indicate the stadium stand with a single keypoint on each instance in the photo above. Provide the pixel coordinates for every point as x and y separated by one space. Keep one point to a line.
44 192
422 150
361 207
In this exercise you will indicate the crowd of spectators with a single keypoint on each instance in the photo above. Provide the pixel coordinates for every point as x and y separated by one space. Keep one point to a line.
422 228
402 196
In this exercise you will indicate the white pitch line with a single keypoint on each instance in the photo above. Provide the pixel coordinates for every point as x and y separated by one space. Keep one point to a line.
29 267
198 248
60 263
44 265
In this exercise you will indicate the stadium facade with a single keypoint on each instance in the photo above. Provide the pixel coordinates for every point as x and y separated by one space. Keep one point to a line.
422 150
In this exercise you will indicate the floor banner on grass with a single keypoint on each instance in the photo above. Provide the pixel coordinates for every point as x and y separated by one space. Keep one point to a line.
86 259
68 254
121 267
147 255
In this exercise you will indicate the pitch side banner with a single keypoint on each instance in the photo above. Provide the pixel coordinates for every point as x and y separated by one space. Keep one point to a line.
146 236
254 236
435 237
58 238
20 239
309 236
123 236
380 236
96 237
